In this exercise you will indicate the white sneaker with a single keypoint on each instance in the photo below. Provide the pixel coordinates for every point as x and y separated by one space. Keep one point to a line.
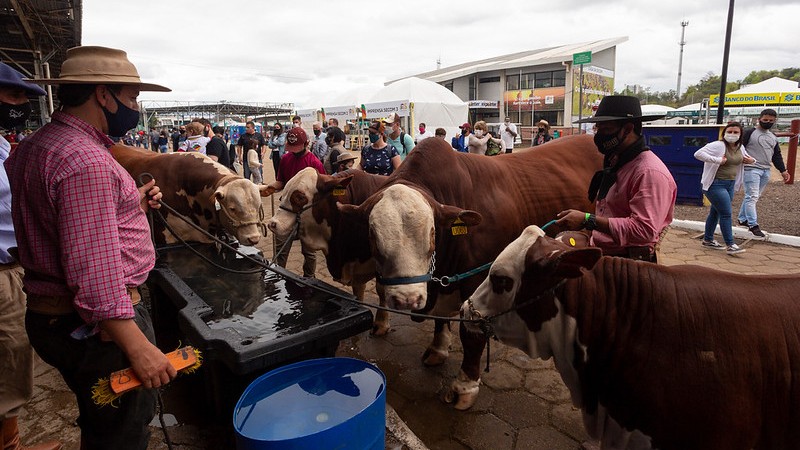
734 249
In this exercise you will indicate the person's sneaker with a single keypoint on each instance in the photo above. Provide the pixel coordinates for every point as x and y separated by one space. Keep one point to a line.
742 223
734 249
757 232
713 244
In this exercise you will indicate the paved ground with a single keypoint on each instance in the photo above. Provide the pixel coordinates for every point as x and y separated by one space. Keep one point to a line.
523 404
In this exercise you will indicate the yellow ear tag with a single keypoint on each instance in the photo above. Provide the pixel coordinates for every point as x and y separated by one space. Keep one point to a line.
339 191
458 228
572 242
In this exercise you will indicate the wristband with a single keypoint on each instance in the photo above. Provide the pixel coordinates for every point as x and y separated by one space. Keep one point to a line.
590 223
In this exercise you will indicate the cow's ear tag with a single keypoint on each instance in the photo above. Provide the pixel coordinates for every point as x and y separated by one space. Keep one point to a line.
572 242
339 191
458 228
217 206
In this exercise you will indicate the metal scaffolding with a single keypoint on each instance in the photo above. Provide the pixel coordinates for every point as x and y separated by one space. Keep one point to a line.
184 111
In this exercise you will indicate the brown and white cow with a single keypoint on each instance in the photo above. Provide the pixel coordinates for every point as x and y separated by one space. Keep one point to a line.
200 188
434 203
681 357
312 197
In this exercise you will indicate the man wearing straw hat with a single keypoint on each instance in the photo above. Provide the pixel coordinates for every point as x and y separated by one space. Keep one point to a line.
635 192
84 243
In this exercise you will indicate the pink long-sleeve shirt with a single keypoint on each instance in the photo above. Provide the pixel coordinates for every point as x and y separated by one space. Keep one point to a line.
79 227
638 206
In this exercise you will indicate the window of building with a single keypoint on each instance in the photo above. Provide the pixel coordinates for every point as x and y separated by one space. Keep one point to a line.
489 80
473 90
544 79
449 85
512 82
559 78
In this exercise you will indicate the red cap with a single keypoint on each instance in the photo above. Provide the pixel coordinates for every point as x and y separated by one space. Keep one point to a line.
466 125
296 139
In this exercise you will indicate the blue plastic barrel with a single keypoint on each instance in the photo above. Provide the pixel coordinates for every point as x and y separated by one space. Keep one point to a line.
326 403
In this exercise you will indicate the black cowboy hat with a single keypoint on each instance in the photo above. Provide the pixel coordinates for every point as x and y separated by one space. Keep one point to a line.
619 107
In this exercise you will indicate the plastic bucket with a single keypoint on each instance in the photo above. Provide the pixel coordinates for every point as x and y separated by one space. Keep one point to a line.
327 403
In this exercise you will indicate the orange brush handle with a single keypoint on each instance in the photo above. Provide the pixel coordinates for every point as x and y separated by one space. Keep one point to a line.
125 380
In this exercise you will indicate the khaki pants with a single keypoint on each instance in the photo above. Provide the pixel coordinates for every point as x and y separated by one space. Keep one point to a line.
16 354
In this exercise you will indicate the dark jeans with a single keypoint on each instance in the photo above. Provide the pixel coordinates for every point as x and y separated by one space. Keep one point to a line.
720 194
276 161
81 364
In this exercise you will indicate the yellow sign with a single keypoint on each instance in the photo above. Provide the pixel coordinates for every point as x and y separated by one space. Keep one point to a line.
764 98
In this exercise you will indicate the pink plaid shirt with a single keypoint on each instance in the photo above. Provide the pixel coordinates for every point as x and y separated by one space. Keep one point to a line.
79 228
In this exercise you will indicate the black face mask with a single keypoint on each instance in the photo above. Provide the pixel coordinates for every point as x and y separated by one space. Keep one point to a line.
121 121
317 132
276 131
12 116
607 143
766 125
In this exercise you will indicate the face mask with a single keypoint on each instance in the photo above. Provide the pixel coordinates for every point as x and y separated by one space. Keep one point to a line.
388 131
766 125
606 143
317 132
731 137
121 121
295 125
421 130
478 133
277 131
373 138
12 116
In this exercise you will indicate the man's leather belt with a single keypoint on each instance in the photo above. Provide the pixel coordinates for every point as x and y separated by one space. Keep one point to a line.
62 304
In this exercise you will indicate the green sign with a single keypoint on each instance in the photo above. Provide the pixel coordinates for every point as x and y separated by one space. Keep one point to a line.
581 58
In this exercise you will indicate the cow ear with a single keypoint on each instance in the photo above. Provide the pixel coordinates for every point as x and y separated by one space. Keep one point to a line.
570 263
352 211
219 194
447 214
266 190
328 183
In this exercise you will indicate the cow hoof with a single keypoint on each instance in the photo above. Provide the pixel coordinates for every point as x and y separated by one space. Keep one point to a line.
380 329
434 357
464 391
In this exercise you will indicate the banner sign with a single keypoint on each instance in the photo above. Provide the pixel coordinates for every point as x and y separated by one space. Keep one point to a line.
597 83
307 115
340 113
765 98
483 104
383 109
542 99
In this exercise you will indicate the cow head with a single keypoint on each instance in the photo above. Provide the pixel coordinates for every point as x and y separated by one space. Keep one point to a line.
402 232
301 195
523 272
240 210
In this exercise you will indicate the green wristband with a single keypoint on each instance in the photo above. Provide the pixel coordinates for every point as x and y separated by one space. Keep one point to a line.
586 217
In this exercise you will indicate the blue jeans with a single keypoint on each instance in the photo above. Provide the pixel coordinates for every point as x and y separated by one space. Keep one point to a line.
755 180
720 194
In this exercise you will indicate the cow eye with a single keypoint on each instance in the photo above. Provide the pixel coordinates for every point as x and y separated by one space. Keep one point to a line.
501 283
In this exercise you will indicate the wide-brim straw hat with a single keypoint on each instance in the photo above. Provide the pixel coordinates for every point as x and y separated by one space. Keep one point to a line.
619 107
99 65
345 156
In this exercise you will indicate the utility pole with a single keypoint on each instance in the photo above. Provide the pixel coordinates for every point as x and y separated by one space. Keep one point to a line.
680 60
726 52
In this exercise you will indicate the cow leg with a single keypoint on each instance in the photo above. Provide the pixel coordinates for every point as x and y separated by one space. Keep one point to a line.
436 353
381 324
464 389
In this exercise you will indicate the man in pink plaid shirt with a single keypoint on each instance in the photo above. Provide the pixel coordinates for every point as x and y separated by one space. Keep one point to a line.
84 242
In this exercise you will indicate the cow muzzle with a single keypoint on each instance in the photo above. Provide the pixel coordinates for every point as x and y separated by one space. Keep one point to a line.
407 297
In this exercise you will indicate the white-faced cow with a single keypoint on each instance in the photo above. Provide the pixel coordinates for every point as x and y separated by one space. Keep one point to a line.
423 223
312 197
674 358
207 192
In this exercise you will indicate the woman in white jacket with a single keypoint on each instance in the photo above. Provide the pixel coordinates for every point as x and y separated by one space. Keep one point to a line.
722 176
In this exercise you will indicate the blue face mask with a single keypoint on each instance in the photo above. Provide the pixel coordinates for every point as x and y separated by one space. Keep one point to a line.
373 138
121 121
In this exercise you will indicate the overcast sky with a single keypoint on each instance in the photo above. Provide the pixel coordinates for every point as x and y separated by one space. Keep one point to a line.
304 51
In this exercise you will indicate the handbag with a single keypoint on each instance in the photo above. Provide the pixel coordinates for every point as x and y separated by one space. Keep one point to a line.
492 147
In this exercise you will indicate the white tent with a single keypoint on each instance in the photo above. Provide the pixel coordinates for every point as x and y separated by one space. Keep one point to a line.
648 110
774 84
428 102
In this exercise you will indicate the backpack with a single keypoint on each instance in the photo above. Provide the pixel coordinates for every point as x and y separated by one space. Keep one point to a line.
403 142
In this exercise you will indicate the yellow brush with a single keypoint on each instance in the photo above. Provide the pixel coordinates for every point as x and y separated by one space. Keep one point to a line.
107 390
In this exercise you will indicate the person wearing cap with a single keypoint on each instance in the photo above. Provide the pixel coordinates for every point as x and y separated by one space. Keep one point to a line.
461 142
16 353
345 161
84 242
378 157
635 193
296 159
542 134
396 137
